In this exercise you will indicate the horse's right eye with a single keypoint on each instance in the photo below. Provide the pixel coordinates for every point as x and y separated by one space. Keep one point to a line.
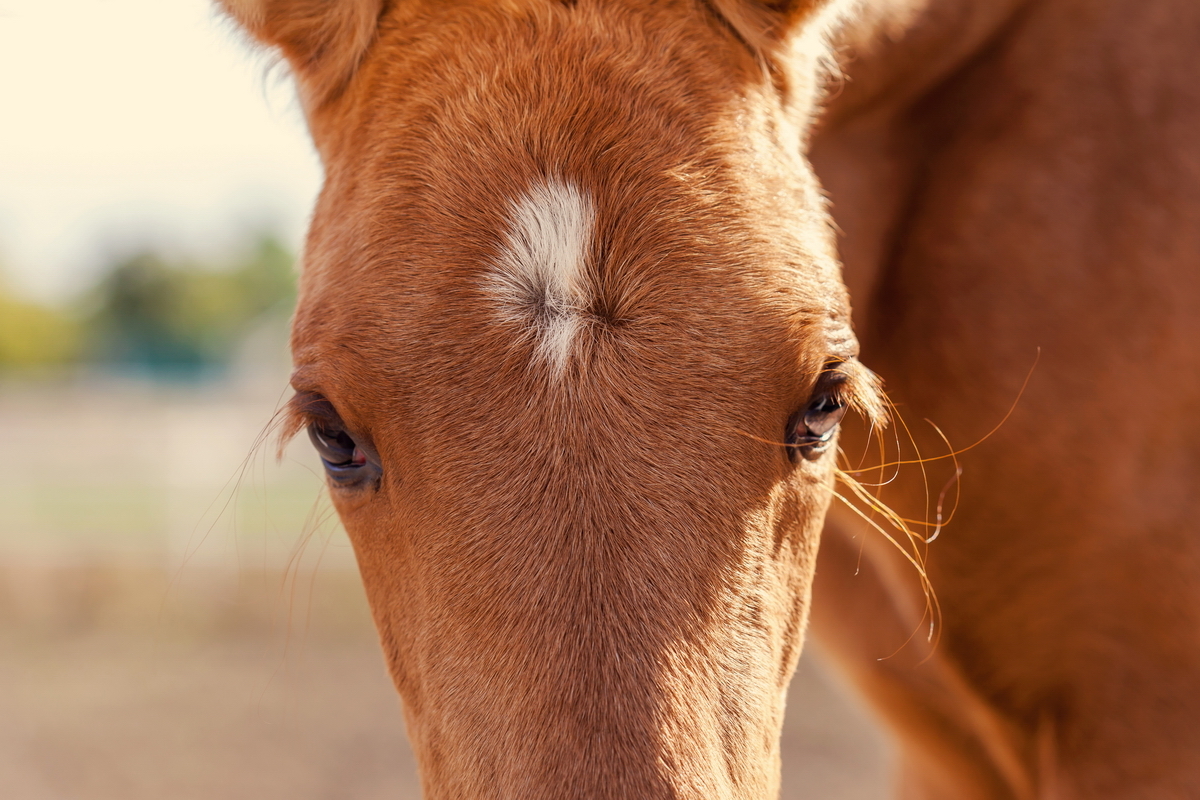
344 460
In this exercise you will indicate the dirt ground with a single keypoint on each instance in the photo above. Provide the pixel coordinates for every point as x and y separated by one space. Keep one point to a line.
115 700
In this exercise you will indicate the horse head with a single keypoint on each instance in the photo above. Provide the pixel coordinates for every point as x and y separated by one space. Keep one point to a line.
573 345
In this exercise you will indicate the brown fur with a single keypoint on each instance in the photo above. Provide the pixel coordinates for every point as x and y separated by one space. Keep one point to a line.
597 585
1009 177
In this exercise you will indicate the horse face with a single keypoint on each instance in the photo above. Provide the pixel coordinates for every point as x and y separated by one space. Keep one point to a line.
568 292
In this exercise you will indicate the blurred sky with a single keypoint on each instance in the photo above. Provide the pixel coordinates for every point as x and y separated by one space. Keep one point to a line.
131 122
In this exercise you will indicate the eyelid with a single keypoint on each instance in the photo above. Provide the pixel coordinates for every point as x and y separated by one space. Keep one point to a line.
831 380
313 406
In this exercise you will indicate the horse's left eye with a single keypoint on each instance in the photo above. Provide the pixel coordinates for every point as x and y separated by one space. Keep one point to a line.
811 429
343 459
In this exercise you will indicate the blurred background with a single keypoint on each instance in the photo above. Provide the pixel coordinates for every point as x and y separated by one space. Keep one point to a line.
179 611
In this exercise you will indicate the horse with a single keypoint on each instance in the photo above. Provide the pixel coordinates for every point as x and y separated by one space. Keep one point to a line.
575 344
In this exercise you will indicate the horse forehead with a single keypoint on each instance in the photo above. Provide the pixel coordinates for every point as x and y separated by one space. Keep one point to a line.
556 211
545 270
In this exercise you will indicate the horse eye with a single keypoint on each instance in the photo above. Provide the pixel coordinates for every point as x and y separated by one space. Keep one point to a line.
811 430
823 415
343 459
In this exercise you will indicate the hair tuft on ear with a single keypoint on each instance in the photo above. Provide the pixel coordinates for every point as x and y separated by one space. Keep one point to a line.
323 40
763 24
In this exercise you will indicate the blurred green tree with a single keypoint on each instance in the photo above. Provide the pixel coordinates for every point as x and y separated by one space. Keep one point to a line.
183 319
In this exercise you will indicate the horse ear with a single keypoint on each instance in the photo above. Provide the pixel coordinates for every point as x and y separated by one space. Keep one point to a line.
765 23
322 40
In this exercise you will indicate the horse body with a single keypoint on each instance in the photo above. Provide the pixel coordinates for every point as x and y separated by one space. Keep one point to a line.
574 344
1043 195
